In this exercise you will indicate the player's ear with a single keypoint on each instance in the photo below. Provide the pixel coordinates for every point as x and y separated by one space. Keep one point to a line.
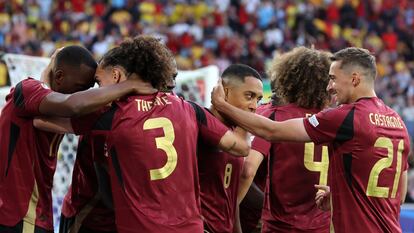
116 74
356 79
58 76
226 93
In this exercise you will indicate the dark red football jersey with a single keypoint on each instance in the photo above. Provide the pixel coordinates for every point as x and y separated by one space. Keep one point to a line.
27 158
219 183
153 164
294 169
370 146
250 215
81 200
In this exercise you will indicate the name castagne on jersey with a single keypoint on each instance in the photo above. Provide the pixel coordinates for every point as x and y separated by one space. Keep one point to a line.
144 105
386 121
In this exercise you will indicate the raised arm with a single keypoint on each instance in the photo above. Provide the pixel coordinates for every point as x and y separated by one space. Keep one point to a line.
84 102
234 144
290 130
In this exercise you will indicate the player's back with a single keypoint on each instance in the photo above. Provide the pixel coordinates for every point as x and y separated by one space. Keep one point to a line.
370 154
219 174
153 166
27 159
294 169
250 214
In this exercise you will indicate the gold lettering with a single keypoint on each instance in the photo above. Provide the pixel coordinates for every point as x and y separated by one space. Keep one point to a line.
149 104
377 121
144 106
394 122
370 118
399 123
157 101
138 104
387 121
165 100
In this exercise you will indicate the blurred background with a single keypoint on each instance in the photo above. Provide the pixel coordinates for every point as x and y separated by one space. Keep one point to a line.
219 33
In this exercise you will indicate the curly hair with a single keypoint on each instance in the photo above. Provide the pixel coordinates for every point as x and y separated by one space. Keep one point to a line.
145 56
301 76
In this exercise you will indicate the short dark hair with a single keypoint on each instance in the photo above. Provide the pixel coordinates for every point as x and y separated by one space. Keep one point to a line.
75 56
240 72
301 76
145 56
353 56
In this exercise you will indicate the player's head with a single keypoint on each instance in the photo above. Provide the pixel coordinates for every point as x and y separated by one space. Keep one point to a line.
274 98
73 70
242 86
353 70
301 76
170 85
142 56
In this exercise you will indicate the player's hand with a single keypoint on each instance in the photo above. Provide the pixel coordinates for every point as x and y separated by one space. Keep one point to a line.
217 95
323 197
47 72
139 87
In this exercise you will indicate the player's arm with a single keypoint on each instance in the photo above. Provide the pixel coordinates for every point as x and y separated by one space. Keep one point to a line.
250 166
403 186
290 130
59 125
234 144
83 102
237 224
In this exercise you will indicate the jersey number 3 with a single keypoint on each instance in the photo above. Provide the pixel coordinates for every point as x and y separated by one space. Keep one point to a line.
373 189
164 143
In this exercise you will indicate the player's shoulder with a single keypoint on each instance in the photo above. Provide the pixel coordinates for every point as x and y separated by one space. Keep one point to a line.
30 85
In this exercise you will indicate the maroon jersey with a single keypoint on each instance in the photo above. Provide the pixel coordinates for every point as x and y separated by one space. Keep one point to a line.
153 168
82 201
294 169
27 159
370 146
249 214
219 183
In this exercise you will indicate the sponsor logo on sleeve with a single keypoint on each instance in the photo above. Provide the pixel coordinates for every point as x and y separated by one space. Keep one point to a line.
313 121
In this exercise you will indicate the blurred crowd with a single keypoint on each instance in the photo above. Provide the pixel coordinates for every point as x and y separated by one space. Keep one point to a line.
222 32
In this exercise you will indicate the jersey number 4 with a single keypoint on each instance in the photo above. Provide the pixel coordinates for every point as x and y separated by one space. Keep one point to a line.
164 143
321 166
373 189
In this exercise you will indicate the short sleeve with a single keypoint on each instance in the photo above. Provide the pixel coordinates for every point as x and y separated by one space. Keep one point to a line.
261 145
210 128
330 125
27 96
98 122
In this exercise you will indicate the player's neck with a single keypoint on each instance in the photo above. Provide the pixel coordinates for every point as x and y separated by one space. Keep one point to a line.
364 93
219 116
